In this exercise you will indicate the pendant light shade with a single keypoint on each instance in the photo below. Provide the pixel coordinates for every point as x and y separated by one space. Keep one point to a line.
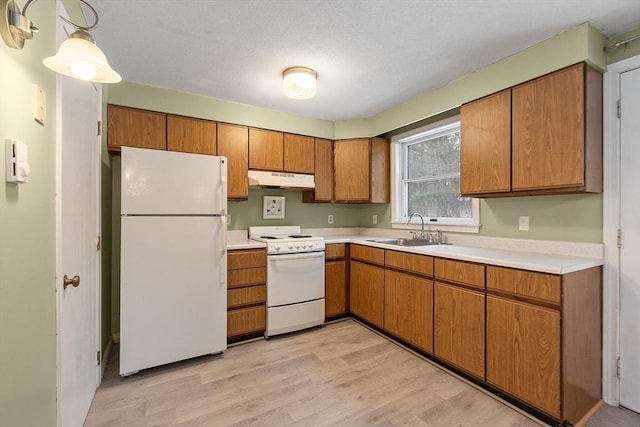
79 57
299 82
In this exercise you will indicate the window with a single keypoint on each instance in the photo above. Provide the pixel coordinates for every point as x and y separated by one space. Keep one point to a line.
427 178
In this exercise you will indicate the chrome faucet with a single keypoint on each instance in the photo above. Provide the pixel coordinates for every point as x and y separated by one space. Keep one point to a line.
422 235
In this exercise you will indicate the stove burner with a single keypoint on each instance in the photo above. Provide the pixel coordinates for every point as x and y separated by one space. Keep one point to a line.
299 236
268 237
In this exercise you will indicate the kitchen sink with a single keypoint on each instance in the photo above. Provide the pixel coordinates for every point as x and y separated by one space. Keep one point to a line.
405 242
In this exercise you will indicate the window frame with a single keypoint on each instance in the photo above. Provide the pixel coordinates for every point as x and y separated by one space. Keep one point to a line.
398 220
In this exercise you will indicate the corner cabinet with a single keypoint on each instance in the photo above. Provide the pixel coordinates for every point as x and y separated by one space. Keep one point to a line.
362 170
540 137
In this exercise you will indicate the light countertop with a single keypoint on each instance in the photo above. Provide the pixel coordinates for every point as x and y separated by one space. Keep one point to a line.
544 263
533 261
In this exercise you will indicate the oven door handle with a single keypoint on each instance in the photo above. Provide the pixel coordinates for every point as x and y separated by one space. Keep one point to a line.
289 257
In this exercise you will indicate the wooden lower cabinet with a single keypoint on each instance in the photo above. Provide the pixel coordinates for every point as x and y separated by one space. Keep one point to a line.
523 352
246 292
335 288
335 280
459 334
408 308
366 292
544 339
246 321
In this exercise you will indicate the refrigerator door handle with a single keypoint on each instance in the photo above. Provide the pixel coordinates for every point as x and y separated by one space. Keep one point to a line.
223 184
223 251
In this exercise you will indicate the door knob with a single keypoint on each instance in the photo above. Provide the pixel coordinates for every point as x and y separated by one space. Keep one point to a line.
75 281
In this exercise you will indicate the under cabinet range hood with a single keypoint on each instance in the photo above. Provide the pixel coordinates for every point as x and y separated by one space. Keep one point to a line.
280 179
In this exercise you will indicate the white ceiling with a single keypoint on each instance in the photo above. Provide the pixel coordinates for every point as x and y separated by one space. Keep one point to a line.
370 55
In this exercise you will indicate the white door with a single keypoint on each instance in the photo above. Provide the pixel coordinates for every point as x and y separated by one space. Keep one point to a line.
630 226
78 202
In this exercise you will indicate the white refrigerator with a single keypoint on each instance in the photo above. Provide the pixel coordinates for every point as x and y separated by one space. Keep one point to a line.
173 259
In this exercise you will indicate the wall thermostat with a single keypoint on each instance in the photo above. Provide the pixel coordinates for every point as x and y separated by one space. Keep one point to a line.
17 166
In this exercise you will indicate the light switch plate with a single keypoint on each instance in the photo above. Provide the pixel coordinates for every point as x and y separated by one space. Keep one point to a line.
273 207
40 105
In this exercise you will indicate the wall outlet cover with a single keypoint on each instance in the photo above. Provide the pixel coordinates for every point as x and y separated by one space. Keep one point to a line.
273 207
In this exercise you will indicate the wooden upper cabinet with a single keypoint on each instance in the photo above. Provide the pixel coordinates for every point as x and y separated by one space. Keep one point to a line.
557 132
380 171
323 192
361 170
351 171
485 151
266 150
191 135
233 142
135 128
299 154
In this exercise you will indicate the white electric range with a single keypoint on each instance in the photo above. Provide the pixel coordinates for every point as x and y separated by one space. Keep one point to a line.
295 278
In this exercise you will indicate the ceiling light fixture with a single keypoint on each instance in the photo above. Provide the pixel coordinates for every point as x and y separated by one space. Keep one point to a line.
78 56
299 82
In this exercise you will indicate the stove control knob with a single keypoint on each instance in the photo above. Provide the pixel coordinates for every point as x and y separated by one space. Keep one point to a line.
297 246
290 246
276 247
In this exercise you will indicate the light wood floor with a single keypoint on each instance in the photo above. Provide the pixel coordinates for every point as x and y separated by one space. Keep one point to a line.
340 375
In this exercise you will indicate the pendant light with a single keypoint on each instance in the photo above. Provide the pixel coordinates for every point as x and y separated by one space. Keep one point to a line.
78 56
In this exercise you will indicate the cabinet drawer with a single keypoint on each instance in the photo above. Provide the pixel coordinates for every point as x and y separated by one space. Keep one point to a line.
246 277
250 295
335 250
246 321
464 273
540 286
413 263
366 253
246 259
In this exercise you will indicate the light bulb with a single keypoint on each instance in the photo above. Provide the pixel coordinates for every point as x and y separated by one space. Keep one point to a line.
83 70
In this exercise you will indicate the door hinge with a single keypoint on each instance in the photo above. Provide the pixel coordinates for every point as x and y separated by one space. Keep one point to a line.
619 239
100 127
618 368
619 109
99 243
98 358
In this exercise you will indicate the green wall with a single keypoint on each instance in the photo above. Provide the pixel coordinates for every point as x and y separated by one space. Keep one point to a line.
571 218
624 52
27 235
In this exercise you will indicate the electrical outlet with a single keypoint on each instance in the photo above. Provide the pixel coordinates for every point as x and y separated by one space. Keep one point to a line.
523 223
330 219
375 219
